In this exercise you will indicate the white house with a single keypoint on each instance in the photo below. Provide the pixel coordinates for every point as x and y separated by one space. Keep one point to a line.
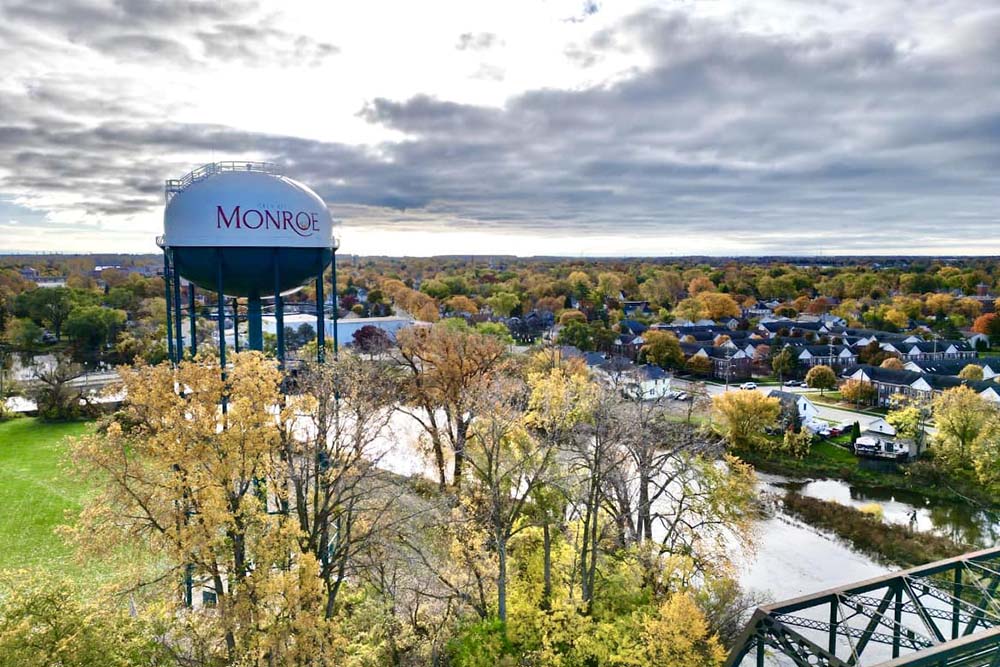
805 408
647 382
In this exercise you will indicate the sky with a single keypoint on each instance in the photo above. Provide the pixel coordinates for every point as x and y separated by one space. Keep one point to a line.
543 127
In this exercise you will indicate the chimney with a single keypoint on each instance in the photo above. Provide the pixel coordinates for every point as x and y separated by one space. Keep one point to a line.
982 289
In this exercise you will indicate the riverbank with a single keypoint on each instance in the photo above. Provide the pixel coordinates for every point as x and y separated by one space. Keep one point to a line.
886 543
830 461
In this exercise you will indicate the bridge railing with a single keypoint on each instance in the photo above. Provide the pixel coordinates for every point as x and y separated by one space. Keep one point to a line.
945 614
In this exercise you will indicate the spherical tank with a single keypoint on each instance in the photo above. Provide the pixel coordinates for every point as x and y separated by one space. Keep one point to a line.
246 218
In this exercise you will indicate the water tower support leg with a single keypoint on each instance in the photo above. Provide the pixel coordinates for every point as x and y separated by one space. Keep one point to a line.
236 325
170 319
221 314
320 328
279 311
254 324
194 320
179 345
336 305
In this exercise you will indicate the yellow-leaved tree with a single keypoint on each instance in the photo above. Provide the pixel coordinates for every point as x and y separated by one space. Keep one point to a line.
194 473
741 417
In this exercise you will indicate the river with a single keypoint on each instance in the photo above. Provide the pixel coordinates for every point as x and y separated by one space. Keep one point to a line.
793 558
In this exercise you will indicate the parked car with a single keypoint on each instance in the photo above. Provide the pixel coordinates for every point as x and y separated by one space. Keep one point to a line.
794 383
748 385
682 396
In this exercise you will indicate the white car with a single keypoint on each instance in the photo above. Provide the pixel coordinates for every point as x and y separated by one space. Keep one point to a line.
748 385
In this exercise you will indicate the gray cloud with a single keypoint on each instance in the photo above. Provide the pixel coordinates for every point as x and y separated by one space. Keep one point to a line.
182 32
477 41
772 143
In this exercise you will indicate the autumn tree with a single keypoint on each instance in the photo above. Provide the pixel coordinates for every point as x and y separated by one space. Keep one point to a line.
784 362
662 349
191 472
892 364
971 372
441 371
821 377
461 304
742 417
699 365
329 450
858 392
371 340
50 621
57 394
962 418
989 325
503 303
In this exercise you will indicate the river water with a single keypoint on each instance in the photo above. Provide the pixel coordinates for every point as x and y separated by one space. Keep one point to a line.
793 558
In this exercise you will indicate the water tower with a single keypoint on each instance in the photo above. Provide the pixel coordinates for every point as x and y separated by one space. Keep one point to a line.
242 229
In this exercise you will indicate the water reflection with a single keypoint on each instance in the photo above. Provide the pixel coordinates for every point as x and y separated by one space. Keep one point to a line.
957 521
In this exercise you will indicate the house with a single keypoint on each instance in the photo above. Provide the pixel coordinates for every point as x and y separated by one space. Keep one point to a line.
647 382
890 383
30 273
977 340
628 344
825 355
937 349
727 363
633 327
878 441
633 308
795 408
990 366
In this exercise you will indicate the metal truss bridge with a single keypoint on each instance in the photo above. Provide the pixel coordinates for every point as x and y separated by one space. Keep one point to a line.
943 614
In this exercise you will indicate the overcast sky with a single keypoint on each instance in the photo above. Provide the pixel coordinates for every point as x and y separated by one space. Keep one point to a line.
565 127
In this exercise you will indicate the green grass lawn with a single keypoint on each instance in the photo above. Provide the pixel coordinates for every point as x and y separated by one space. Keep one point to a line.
36 493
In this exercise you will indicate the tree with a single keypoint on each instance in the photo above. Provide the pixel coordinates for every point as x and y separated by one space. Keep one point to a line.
50 621
858 392
797 444
908 422
207 493
717 306
508 467
855 432
371 340
741 417
442 370
57 398
340 500
700 284
662 349
503 303
699 365
784 362
94 327
461 304
971 372
689 309
873 354
893 364
49 306
497 330
962 417
571 315
577 334
23 335
821 377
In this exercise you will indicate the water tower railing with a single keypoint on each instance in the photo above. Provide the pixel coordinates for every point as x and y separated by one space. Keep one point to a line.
175 185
